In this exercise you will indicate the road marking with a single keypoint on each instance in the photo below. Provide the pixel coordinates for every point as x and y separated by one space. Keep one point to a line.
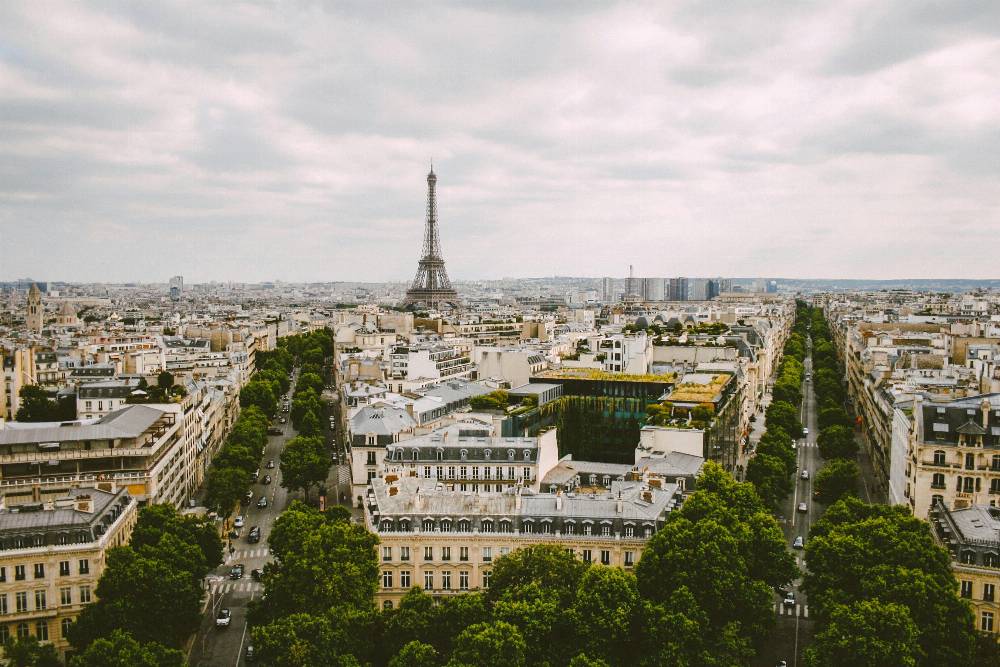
239 652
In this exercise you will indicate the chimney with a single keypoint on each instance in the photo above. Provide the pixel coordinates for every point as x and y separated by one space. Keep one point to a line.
559 500
985 406
618 504
82 503
517 498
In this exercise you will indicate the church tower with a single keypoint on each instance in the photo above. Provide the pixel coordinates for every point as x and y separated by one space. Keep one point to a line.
36 311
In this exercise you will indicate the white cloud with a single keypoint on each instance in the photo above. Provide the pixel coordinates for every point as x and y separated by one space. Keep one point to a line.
241 141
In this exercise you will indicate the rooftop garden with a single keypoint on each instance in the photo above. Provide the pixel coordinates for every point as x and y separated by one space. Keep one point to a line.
598 374
697 392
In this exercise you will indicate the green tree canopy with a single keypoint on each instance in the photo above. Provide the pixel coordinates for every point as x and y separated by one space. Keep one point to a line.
771 477
304 463
836 479
120 649
261 394
837 442
416 654
489 644
784 416
866 633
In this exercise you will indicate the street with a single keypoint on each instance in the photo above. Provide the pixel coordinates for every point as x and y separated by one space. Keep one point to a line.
794 628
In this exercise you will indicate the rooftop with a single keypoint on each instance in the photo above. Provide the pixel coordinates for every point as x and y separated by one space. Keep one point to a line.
129 422
598 374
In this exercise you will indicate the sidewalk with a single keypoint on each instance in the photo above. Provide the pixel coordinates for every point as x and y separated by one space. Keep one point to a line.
872 488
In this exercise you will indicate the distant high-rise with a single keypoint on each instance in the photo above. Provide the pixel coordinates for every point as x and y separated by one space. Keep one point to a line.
34 318
677 289
176 287
431 286
607 290
697 289
652 289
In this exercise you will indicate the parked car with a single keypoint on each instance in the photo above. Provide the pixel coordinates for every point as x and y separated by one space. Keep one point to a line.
240 521
256 474
224 618
805 432
267 479
256 574
804 474
262 503
274 430
270 464
803 507
248 497
799 543
789 600
236 571
254 536
251 655
282 420
781 663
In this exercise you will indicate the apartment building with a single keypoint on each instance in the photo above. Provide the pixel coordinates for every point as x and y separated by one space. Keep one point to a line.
52 556
972 537
954 453
422 364
446 541
97 399
138 447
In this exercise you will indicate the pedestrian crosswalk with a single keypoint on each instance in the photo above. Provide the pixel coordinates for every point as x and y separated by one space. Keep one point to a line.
800 610
237 586
240 554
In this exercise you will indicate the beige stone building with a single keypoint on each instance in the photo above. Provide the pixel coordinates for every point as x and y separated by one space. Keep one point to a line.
52 556
446 541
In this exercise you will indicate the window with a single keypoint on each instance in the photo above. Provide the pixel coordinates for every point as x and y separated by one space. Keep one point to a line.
428 553
629 558
64 568
486 579
386 578
428 581
439 472
605 557
463 580
3 604
42 631
428 525
527 474
510 454
986 622
84 566
587 529
968 484
427 472
387 605
586 556
3 574
991 559
527 455
527 527
464 526
989 592
65 596
445 525
21 599
446 580
510 472
606 530
505 526
371 459
40 600
970 461
648 531
995 462
486 473
445 553
463 472
475 472
19 572
939 458
404 553
546 527
404 579
937 482
64 626
966 589
451 472
371 475
487 526
463 553
386 553
629 531
84 594
969 557
570 528
487 554
22 630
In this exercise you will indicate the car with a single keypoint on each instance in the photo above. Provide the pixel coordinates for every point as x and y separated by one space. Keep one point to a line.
224 618
262 503
266 480
256 474
240 521
253 537
234 534
256 574
334 457
270 464
804 474
799 543
789 600
282 420
251 654
248 497
274 430
802 507
805 432
236 571
780 663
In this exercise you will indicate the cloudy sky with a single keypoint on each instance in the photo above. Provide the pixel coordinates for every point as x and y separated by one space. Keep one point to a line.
290 140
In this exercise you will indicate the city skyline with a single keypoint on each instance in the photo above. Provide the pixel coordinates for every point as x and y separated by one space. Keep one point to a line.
845 141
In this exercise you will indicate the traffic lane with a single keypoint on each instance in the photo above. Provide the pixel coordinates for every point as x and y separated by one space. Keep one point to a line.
221 646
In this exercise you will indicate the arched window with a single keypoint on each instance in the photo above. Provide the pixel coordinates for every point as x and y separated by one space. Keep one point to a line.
445 525
464 454
487 526
404 525
386 526
487 454
647 531
505 526
527 455
387 605
428 525
939 457
414 454
570 528
546 527
588 529
440 455
463 526
527 527
510 454
991 559
969 557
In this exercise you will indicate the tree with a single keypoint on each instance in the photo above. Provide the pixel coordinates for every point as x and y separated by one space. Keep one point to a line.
304 463
867 633
416 654
784 416
309 424
858 552
261 394
837 478
160 521
771 477
225 487
833 416
37 407
165 380
787 392
778 444
488 644
607 601
120 649
549 566
311 382
837 442
29 652
133 593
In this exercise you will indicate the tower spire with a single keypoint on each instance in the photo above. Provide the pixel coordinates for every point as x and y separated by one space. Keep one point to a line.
431 286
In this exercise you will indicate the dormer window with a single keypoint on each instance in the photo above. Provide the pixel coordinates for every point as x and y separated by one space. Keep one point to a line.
527 455
486 454
464 454
510 454
414 455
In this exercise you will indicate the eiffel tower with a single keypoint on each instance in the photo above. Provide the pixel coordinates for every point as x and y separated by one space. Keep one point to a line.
431 287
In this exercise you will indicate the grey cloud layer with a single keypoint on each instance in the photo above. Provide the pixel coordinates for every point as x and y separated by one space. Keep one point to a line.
244 141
